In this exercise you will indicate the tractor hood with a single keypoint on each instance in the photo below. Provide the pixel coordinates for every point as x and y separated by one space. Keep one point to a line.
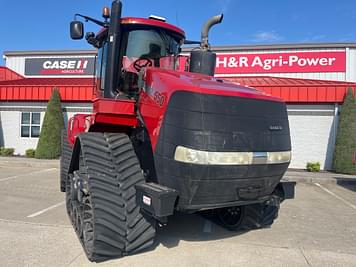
166 82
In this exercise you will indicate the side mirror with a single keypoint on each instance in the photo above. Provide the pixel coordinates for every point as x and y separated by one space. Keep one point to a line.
76 30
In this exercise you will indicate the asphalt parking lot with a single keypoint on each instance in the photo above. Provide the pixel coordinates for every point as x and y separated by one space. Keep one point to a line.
318 228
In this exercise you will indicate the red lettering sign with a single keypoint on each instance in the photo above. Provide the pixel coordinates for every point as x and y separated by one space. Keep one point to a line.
281 62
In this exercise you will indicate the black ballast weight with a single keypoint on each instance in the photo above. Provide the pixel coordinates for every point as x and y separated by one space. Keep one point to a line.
156 199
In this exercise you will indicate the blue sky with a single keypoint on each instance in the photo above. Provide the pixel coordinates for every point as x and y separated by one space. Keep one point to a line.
42 25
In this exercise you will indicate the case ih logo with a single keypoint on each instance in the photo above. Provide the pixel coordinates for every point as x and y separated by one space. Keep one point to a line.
281 62
59 66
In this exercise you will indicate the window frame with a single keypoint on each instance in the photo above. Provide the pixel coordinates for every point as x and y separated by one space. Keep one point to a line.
30 125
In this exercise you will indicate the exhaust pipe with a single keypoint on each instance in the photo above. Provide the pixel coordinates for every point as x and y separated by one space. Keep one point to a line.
203 61
113 62
206 28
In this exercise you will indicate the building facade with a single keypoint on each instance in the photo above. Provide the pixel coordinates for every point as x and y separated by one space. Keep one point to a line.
311 78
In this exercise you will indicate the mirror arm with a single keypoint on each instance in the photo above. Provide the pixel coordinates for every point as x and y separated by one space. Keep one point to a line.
91 39
190 42
100 23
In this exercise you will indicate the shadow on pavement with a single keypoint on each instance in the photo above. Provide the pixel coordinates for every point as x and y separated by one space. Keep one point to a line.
348 183
190 227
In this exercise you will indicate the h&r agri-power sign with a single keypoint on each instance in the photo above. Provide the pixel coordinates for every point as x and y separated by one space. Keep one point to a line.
285 62
59 66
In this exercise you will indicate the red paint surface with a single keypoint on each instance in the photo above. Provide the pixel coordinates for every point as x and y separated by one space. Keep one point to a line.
114 106
164 83
115 111
153 22
296 62
77 125
148 22
8 75
18 88
298 90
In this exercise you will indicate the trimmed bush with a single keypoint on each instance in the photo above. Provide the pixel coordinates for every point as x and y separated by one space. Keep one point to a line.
7 152
313 167
30 153
345 146
49 144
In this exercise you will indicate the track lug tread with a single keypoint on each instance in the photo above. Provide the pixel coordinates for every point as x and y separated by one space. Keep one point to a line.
112 218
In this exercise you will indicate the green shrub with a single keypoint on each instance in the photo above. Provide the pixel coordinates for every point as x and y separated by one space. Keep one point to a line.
345 146
313 167
6 151
49 144
30 153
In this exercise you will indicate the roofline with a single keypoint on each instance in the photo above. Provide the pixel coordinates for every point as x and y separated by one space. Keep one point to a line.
277 46
50 52
188 49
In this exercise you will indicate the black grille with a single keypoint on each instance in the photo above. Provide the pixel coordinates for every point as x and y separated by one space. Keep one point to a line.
221 124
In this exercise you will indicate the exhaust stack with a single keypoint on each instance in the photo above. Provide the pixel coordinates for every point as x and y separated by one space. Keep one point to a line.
113 63
206 28
203 60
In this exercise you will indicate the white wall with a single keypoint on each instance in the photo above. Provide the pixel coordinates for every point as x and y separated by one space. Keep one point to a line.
313 132
10 116
351 64
11 132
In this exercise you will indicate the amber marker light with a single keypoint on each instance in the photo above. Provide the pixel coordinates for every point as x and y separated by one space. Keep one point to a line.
106 12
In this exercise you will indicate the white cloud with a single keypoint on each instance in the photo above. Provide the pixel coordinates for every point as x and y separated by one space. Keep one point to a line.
266 36
314 38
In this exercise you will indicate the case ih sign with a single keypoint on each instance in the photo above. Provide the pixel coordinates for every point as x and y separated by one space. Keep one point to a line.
59 66
281 62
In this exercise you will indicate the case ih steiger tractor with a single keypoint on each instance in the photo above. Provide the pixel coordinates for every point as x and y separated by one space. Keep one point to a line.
161 140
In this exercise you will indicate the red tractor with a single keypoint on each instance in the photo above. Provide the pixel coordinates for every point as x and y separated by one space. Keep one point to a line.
161 140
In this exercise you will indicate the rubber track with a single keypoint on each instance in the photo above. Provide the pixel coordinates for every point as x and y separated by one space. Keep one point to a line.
113 171
66 154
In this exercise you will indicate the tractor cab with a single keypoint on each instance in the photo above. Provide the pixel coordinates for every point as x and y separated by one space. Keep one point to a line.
139 43
143 44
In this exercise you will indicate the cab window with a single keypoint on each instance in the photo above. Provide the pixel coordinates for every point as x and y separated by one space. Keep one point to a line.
100 66
156 45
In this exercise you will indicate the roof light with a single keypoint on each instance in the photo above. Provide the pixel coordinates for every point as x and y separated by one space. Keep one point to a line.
106 13
157 18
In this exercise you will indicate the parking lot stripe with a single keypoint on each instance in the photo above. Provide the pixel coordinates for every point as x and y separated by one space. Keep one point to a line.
26 174
45 210
336 196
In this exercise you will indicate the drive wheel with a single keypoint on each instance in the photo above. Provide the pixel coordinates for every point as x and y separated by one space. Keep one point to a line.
249 217
66 155
103 207
231 217
260 216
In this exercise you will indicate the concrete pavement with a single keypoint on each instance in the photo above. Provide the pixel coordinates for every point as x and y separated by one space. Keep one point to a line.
316 229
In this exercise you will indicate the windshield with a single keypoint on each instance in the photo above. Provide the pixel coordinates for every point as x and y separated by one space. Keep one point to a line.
156 45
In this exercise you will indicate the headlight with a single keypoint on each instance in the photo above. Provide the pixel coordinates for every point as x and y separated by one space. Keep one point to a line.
188 155
278 157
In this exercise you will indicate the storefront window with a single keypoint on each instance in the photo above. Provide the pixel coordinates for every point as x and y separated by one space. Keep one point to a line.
30 124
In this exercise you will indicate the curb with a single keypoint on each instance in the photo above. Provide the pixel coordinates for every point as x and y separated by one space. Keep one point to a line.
311 180
320 178
26 162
